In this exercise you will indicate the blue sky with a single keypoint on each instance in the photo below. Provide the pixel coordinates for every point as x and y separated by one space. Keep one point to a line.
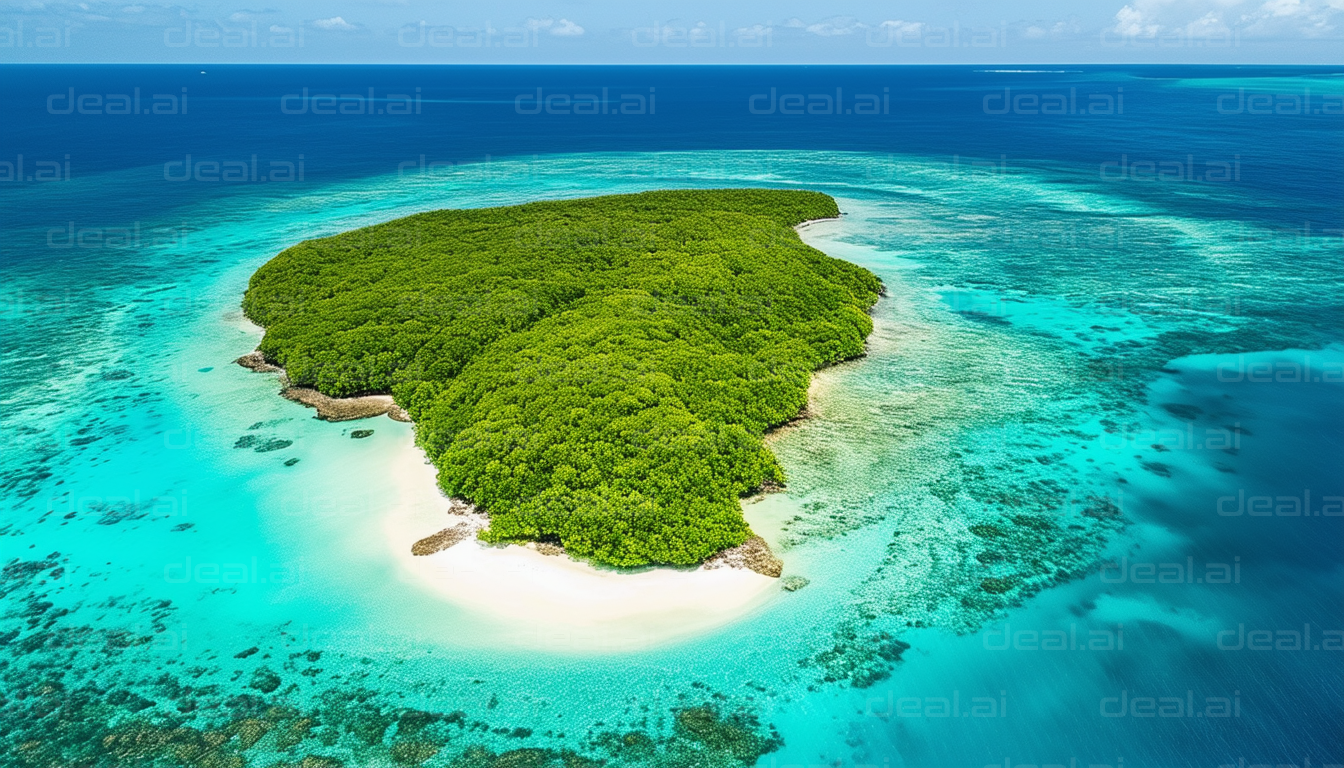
664 31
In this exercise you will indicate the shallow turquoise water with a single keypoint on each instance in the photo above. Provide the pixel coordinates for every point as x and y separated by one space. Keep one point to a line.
1041 338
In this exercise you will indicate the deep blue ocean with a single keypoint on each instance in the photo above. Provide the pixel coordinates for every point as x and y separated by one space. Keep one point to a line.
1082 504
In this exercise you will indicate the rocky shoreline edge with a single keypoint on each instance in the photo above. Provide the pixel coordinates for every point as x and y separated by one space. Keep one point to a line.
754 554
328 408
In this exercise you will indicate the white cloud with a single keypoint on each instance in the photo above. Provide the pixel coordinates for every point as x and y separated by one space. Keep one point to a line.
133 9
1283 8
837 26
566 28
561 28
334 23
834 26
898 27
1133 22
1208 25
1283 19
1291 19
1040 29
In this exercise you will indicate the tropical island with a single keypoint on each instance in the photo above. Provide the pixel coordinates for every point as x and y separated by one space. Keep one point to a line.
593 374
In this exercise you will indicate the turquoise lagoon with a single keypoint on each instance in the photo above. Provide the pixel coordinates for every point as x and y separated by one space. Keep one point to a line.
1013 512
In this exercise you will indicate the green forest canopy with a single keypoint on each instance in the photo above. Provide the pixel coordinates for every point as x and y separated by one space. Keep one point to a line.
598 372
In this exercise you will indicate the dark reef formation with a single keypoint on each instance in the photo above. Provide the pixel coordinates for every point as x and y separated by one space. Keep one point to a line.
101 696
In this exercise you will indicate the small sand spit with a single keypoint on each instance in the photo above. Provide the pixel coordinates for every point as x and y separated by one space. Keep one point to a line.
754 554
466 527
517 596
328 408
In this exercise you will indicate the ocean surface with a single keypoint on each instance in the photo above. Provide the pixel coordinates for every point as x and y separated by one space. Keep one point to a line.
1082 503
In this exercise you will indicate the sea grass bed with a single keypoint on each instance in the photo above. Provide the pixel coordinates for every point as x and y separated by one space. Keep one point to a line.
596 372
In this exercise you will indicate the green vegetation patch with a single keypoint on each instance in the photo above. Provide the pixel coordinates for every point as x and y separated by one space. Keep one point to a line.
597 371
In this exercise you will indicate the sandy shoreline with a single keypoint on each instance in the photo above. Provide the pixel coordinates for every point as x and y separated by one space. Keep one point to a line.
538 600
802 225
542 601
553 602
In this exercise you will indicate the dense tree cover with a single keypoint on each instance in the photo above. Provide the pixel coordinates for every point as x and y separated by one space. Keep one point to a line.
598 371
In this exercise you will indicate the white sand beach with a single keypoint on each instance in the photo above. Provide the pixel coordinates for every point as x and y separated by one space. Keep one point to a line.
551 601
